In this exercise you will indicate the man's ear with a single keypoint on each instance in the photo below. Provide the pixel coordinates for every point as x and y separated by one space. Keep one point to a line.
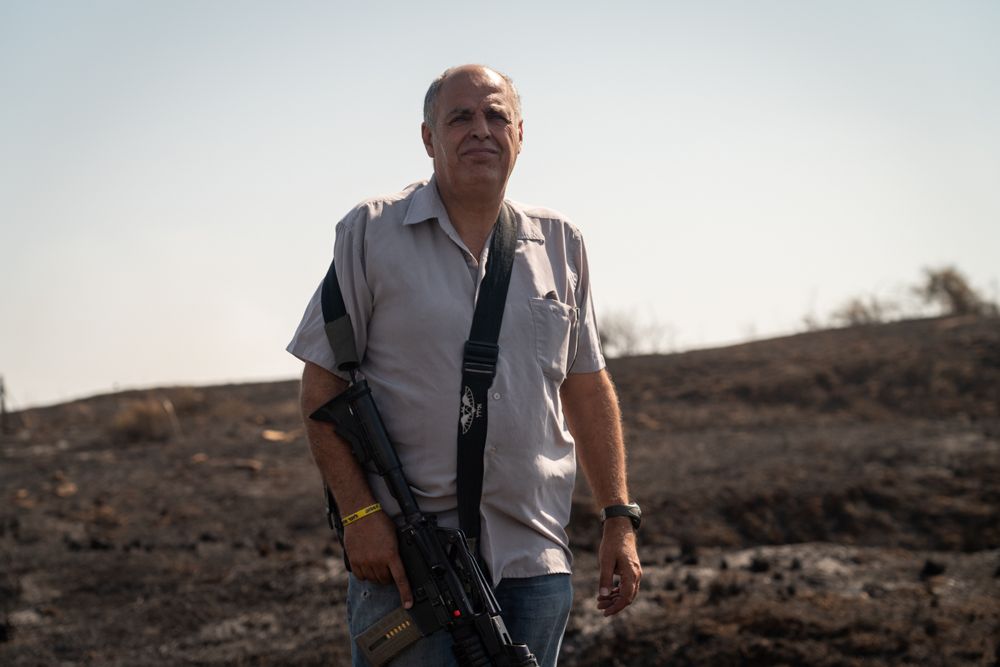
425 134
520 135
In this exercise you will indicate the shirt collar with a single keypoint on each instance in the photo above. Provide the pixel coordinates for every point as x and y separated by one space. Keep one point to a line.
527 228
427 205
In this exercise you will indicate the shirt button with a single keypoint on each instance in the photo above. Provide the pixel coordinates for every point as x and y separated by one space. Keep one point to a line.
496 396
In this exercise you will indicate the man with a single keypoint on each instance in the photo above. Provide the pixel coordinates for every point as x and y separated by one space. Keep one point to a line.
409 266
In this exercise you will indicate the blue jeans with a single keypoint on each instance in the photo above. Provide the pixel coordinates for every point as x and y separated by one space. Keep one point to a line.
535 611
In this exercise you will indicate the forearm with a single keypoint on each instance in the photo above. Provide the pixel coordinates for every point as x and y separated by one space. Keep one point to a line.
332 454
591 407
370 543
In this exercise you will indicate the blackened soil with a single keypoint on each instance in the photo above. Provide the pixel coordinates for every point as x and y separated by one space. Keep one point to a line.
830 498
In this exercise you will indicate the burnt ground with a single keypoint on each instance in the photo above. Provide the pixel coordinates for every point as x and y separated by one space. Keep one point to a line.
831 498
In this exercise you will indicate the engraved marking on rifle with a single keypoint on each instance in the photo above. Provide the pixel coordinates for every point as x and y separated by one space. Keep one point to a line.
470 410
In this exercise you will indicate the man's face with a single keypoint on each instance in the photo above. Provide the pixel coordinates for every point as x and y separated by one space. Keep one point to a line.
476 134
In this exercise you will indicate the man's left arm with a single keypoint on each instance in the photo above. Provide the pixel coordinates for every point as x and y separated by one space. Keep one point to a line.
591 407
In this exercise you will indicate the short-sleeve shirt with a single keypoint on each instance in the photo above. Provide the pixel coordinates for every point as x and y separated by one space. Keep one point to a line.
410 286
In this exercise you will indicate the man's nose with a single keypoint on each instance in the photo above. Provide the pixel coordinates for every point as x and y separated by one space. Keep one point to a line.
480 128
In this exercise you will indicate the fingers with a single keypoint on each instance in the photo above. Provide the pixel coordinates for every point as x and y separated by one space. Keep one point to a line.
376 567
377 573
606 579
613 596
374 553
392 573
372 549
402 583
620 572
630 576
605 601
617 604
622 595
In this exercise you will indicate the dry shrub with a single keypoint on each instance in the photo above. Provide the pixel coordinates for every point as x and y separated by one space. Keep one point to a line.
949 289
187 400
141 420
859 312
944 291
624 333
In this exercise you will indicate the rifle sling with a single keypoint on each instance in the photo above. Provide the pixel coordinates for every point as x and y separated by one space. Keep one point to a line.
479 366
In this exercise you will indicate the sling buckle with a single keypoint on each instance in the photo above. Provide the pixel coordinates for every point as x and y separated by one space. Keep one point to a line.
480 358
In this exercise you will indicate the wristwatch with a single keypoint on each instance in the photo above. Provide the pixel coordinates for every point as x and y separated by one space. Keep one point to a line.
631 510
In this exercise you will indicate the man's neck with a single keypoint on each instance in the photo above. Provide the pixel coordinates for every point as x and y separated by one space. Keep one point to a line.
473 217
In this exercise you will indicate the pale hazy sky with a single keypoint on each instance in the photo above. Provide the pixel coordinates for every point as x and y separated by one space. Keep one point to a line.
171 172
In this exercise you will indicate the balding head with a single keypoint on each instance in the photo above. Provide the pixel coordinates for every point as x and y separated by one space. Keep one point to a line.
430 99
474 133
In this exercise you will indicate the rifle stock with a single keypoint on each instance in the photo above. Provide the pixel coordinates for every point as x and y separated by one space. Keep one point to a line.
449 588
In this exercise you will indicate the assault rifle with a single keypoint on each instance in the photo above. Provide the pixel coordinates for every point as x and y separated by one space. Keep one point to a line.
450 591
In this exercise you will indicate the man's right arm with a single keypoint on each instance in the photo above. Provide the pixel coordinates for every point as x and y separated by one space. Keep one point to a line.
371 542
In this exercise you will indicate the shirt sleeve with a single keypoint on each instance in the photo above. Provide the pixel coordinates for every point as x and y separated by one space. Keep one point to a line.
309 343
589 356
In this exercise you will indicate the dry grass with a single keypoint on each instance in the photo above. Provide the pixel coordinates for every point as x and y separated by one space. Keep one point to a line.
144 420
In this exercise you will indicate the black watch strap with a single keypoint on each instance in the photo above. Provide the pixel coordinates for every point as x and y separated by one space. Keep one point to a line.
631 511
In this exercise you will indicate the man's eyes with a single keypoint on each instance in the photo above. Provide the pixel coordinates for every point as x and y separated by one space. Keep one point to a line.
490 115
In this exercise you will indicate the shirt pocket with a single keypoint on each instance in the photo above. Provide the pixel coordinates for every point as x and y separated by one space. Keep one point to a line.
555 325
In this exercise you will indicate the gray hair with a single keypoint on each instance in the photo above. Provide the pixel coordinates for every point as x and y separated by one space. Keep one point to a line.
430 99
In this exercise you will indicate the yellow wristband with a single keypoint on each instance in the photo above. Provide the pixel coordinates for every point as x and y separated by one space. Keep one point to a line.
360 514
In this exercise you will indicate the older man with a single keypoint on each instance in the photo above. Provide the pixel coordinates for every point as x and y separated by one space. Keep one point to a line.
410 266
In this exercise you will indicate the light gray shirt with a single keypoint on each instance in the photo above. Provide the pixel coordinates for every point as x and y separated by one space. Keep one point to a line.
410 286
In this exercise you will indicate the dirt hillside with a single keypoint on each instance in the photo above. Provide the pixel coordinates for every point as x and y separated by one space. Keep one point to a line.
831 498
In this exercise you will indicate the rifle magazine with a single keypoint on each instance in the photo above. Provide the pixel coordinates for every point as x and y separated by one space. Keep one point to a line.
387 637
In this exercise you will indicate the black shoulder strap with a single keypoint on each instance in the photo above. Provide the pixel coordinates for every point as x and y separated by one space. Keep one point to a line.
340 334
337 322
479 367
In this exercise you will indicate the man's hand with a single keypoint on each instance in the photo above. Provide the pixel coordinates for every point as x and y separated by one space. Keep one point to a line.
618 557
373 550
591 407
